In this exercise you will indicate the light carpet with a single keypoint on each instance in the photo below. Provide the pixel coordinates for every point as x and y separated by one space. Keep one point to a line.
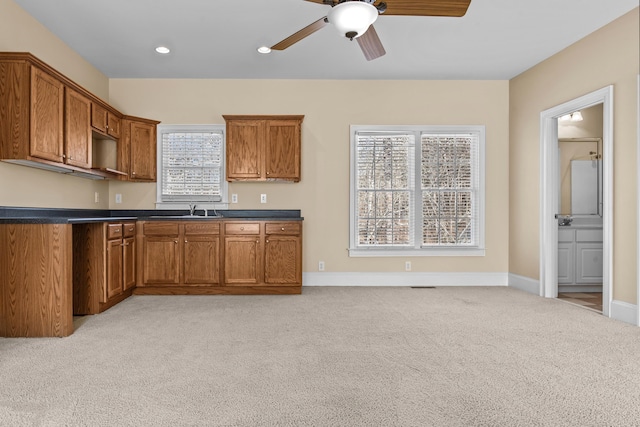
334 356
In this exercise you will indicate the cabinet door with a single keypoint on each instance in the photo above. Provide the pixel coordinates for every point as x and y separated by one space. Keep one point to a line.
566 263
113 125
242 260
142 146
201 260
77 129
99 117
282 153
283 260
114 270
161 261
589 263
244 149
128 263
47 116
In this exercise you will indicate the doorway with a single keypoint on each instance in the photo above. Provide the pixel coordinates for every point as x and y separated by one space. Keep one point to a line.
550 191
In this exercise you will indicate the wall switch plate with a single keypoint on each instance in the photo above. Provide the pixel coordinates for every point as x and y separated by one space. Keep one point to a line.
407 266
234 198
96 197
320 265
263 198
118 198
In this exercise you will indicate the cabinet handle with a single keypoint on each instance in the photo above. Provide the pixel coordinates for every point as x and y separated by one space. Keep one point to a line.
257 241
175 241
64 156
268 173
186 241
131 229
241 228
282 229
267 241
70 158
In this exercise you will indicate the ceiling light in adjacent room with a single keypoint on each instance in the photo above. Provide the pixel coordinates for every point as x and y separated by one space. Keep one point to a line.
353 18
264 49
576 117
163 50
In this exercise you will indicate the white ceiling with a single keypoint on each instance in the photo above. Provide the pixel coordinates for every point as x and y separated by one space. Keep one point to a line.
496 39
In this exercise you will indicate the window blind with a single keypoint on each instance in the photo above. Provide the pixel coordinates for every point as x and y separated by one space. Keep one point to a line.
192 166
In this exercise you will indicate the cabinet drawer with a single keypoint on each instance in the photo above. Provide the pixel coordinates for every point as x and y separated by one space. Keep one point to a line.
291 228
129 229
201 228
161 229
114 231
242 228
589 235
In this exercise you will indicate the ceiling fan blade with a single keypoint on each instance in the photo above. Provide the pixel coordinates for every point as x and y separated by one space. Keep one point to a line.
418 7
297 36
371 45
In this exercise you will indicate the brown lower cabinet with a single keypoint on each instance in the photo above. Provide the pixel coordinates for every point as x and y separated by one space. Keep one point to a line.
212 257
104 263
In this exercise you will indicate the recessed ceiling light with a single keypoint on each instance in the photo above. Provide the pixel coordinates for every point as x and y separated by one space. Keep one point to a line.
163 50
264 49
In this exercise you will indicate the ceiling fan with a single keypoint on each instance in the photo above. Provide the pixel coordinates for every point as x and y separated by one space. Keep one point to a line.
355 18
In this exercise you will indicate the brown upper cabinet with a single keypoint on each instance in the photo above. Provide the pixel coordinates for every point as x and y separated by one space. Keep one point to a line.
105 121
263 148
49 122
137 150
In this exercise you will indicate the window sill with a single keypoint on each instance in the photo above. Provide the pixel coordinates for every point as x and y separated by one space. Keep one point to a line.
377 252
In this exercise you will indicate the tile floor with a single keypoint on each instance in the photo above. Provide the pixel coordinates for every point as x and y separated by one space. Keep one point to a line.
591 300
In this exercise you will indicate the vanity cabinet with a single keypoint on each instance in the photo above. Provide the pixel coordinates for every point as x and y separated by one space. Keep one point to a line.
104 262
137 149
261 148
180 253
580 255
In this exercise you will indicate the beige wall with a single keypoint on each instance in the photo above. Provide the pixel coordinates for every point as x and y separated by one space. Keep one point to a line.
609 56
24 186
329 108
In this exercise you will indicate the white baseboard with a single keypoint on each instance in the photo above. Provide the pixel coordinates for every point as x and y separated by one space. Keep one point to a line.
624 312
524 283
403 279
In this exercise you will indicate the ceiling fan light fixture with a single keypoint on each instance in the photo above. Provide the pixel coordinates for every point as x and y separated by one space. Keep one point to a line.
264 49
163 50
352 17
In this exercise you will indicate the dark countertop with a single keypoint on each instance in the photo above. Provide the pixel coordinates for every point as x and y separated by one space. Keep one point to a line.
19 215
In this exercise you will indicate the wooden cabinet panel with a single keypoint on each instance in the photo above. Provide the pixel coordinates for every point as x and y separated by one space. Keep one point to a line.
242 228
113 286
47 116
99 117
244 151
36 280
283 260
282 154
114 231
142 145
202 260
113 125
293 228
128 263
261 148
161 260
242 261
77 129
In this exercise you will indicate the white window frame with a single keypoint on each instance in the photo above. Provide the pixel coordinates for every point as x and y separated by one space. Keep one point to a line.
417 250
224 185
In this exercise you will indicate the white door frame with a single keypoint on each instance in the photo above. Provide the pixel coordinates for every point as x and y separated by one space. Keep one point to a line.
549 189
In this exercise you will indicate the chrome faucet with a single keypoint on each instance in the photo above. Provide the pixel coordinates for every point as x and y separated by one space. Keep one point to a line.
192 209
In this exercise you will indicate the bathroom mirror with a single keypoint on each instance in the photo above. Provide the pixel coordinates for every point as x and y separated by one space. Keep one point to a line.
580 162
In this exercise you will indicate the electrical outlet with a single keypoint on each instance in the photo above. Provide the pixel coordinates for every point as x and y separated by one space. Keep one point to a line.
118 198
234 198
263 198
96 197
320 265
407 266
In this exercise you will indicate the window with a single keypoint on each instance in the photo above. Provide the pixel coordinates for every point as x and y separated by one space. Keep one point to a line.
191 164
417 190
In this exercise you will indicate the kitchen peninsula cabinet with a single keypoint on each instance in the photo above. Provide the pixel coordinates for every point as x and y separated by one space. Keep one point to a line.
137 149
263 148
104 256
